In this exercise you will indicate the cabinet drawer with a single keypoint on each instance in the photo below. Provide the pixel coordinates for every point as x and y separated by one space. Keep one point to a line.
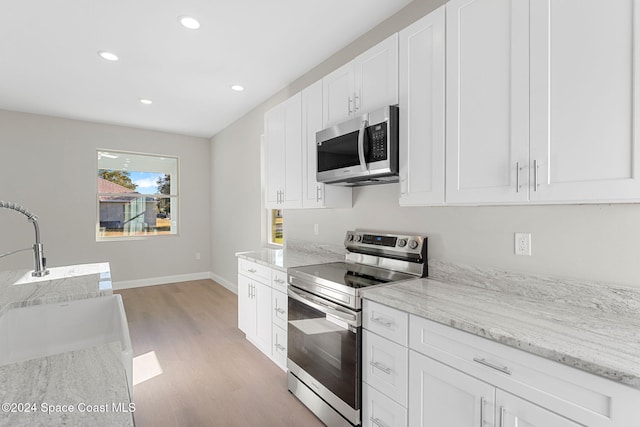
255 271
385 321
279 306
378 410
279 280
385 366
279 351
586 398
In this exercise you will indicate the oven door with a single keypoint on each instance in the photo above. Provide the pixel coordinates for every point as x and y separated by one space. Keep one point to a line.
324 350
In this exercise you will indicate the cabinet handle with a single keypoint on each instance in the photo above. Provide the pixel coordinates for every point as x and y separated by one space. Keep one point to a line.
482 412
278 280
349 101
535 175
518 169
279 310
281 348
318 193
382 322
485 362
253 291
252 270
381 367
356 104
377 422
503 413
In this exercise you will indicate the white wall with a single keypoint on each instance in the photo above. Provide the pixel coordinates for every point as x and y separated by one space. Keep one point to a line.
593 242
49 165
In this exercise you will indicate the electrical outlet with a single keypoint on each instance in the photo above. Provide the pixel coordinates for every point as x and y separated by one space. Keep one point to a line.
523 244
197 256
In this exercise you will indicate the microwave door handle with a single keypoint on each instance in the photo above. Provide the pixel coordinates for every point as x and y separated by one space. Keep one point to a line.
363 162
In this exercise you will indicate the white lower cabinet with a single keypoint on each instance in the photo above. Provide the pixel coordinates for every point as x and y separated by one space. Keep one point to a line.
380 411
385 365
254 311
262 309
457 379
442 396
512 411
279 354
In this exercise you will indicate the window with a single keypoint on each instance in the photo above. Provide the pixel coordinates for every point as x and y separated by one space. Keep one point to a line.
275 222
137 195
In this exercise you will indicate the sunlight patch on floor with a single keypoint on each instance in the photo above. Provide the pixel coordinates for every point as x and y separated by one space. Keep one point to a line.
145 367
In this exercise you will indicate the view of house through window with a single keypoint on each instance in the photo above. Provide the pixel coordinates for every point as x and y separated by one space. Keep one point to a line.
137 195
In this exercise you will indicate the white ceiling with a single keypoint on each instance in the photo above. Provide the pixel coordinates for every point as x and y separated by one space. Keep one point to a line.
49 63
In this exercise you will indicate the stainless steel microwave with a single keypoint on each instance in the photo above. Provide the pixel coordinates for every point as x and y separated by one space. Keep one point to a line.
361 151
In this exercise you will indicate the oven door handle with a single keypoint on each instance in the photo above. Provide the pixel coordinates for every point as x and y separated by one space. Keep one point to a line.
363 161
350 318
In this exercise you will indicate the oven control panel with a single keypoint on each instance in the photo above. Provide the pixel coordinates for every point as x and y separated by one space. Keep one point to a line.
399 244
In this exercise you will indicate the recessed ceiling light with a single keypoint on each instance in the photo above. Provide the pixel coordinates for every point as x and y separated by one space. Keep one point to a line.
146 101
108 55
189 22
237 88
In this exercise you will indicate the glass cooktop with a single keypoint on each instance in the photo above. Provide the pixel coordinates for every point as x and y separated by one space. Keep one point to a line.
351 275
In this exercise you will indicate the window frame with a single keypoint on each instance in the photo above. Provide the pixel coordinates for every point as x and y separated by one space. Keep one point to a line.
176 196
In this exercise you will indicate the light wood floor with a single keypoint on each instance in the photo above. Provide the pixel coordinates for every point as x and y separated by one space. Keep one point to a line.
211 375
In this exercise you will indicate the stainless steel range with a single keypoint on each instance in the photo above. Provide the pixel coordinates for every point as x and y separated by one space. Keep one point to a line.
325 328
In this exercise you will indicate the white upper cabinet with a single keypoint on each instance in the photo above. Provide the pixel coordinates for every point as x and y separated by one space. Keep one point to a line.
376 74
315 194
273 155
368 82
585 90
283 154
541 98
487 101
338 88
422 115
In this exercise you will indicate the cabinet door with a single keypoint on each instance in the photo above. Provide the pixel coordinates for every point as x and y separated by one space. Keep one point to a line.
262 297
312 122
315 194
585 89
274 156
279 307
292 196
511 411
385 366
338 90
279 354
487 148
246 307
378 410
422 111
376 76
442 396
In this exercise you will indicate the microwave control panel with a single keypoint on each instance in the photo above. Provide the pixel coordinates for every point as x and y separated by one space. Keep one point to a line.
378 139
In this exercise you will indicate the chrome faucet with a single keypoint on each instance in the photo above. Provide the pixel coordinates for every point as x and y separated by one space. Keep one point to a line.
38 251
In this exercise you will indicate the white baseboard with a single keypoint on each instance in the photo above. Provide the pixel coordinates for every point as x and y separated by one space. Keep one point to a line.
233 287
128 284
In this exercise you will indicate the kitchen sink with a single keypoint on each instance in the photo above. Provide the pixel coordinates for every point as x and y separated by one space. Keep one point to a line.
43 330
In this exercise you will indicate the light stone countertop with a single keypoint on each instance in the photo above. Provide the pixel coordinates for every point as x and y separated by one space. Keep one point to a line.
592 327
91 376
297 253
77 388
